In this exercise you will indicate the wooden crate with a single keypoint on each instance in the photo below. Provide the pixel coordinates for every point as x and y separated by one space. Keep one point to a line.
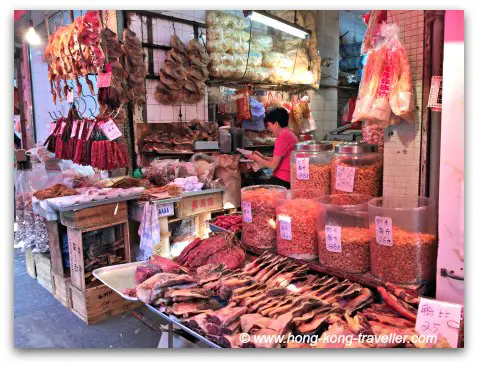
30 263
55 230
190 206
98 303
43 270
96 217
75 249
61 289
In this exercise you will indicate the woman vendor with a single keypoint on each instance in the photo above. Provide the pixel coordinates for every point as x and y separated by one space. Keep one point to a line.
276 122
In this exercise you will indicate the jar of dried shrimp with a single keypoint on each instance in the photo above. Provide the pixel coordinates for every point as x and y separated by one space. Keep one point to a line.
356 168
403 247
310 166
259 215
343 233
295 222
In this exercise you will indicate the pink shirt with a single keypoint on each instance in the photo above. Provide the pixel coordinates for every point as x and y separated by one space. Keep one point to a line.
283 147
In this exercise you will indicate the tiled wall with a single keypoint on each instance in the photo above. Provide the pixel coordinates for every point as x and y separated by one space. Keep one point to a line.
324 102
403 142
162 32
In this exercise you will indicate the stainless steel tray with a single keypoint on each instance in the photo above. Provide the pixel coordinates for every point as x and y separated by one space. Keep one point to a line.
176 321
119 277
81 206
217 229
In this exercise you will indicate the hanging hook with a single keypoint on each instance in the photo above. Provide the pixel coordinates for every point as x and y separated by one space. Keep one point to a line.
54 119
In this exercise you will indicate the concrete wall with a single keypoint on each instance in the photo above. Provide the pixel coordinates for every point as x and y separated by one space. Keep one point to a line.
403 142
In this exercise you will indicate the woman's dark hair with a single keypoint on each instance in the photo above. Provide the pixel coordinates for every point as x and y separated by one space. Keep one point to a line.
279 115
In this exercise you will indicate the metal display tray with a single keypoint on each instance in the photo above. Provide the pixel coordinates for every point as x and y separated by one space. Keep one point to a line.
119 277
217 229
81 206
172 319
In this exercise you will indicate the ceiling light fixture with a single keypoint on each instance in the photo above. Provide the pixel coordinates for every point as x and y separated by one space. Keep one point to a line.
32 36
277 23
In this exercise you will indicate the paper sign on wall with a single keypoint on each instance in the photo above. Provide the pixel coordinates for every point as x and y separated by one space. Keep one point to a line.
165 209
439 318
383 230
333 238
345 178
110 130
302 165
104 79
285 227
246 211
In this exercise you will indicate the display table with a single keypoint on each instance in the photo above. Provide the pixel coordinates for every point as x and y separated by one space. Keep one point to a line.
199 205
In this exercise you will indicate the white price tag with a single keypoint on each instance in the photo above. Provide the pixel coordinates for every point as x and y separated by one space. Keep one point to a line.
246 211
333 238
62 128
285 227
383 230
302 167
90 131
344 180
74 128
80 132
439 318
110 130
165 209
52 127
70 96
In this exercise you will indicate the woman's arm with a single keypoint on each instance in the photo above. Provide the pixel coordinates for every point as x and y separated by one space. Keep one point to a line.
272 164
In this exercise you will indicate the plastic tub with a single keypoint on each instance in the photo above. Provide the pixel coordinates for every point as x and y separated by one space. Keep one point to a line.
403 247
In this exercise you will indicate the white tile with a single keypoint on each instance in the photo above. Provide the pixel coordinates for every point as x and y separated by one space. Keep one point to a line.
167 114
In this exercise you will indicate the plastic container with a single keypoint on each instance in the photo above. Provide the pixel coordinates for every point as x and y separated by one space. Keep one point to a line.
310 166
356 168
343 232
295 222
403 247
259 215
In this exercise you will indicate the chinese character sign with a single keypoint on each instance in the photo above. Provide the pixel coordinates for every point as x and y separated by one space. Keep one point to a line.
345 177
383 230
285 227
246 211
110 130
333 238
302 167
439 318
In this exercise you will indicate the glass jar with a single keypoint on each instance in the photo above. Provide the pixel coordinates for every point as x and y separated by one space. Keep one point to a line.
259 215
343 232
225 140
296 217
403 247
310 166
356 168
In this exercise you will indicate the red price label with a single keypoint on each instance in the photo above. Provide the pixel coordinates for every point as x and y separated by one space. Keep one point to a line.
110 130
104 79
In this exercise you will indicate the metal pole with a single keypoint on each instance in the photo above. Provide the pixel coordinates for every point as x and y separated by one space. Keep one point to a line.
170 335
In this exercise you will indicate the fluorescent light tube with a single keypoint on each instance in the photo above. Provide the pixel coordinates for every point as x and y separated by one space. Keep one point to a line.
277 24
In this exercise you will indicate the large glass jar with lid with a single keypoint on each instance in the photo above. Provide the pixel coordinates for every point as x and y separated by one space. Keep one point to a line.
310 166
356 168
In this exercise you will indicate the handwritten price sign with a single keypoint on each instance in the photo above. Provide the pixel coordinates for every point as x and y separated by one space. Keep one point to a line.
302 165
383 230
285 227
345 178
247 211
110 130
439 318
333 238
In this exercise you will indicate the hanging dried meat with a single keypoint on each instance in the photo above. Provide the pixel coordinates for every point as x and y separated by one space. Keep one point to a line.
134 66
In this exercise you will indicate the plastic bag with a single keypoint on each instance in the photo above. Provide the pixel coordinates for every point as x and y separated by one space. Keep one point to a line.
243 107
229 176
205 167
373 20
161 172
262 43
185 169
